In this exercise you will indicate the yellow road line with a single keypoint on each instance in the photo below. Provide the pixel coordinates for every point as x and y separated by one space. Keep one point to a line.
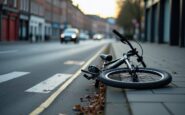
49 101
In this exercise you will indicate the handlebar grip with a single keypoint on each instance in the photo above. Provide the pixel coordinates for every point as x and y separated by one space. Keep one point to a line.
119 35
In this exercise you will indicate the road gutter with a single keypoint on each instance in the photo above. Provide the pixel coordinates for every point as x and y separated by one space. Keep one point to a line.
51 99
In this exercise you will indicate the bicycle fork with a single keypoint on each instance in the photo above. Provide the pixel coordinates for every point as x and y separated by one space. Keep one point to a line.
132 69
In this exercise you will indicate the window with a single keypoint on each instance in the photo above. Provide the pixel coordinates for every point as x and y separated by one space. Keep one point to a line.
15 3
27 5
5 1
21 4
11 3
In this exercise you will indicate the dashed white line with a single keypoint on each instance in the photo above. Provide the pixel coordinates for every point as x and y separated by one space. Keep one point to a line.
12 75
49 84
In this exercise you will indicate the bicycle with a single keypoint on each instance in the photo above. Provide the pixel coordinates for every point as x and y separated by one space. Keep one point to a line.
132 76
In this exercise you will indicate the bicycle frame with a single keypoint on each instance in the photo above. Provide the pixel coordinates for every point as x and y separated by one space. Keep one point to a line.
116 63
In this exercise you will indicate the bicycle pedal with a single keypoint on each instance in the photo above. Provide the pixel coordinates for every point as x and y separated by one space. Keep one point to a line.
89 72
87 77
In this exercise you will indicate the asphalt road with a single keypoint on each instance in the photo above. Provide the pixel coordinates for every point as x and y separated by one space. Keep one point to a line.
28 74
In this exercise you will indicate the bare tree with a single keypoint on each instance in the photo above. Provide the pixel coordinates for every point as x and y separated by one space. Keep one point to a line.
130 13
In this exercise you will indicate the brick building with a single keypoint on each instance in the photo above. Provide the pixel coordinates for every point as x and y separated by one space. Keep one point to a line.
100 25
48 19
37 21
9 20
56 16
24 15
40 20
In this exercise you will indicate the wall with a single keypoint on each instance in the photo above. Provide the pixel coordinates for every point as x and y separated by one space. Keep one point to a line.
164 21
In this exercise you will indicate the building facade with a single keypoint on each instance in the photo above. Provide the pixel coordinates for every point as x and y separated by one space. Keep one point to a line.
37 21
24 15
100 25
164 21
9 20
56 16
48 19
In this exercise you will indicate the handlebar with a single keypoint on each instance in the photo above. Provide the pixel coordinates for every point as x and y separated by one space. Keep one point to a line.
125 41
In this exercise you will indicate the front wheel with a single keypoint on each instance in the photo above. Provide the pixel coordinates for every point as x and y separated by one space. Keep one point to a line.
147 78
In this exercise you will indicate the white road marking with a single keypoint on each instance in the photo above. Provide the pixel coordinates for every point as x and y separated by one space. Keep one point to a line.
49 84
72 62
12 75
8 51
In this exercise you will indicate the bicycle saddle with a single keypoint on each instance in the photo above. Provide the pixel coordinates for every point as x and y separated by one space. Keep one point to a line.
106 57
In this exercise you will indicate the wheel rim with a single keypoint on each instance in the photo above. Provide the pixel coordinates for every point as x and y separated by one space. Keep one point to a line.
144 76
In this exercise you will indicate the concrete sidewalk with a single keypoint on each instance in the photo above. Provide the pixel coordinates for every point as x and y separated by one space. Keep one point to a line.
164 101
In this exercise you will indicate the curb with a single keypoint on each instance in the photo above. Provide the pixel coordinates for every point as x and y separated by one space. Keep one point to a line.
116 100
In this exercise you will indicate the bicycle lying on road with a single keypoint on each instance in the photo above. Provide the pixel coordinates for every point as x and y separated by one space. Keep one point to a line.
132 76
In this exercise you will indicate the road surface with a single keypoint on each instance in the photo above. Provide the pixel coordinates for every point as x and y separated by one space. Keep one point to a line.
30 73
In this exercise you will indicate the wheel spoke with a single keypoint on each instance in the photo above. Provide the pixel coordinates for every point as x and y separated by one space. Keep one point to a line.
143 77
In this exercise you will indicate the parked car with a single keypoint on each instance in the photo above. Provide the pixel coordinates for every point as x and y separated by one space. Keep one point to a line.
98 36
83 36
70 34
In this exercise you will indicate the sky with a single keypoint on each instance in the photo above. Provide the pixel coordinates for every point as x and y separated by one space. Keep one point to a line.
103 8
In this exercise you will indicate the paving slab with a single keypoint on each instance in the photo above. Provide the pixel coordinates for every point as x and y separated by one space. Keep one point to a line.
176 108
114 92
179 83
116 102
169 91
149 109
132 91
155 98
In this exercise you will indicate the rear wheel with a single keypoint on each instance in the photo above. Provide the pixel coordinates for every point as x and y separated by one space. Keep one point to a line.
147 78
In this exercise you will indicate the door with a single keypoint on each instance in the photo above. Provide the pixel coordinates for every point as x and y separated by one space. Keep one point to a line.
4 36
24 31
12 29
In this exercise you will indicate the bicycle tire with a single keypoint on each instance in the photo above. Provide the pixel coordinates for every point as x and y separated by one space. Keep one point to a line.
164 78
